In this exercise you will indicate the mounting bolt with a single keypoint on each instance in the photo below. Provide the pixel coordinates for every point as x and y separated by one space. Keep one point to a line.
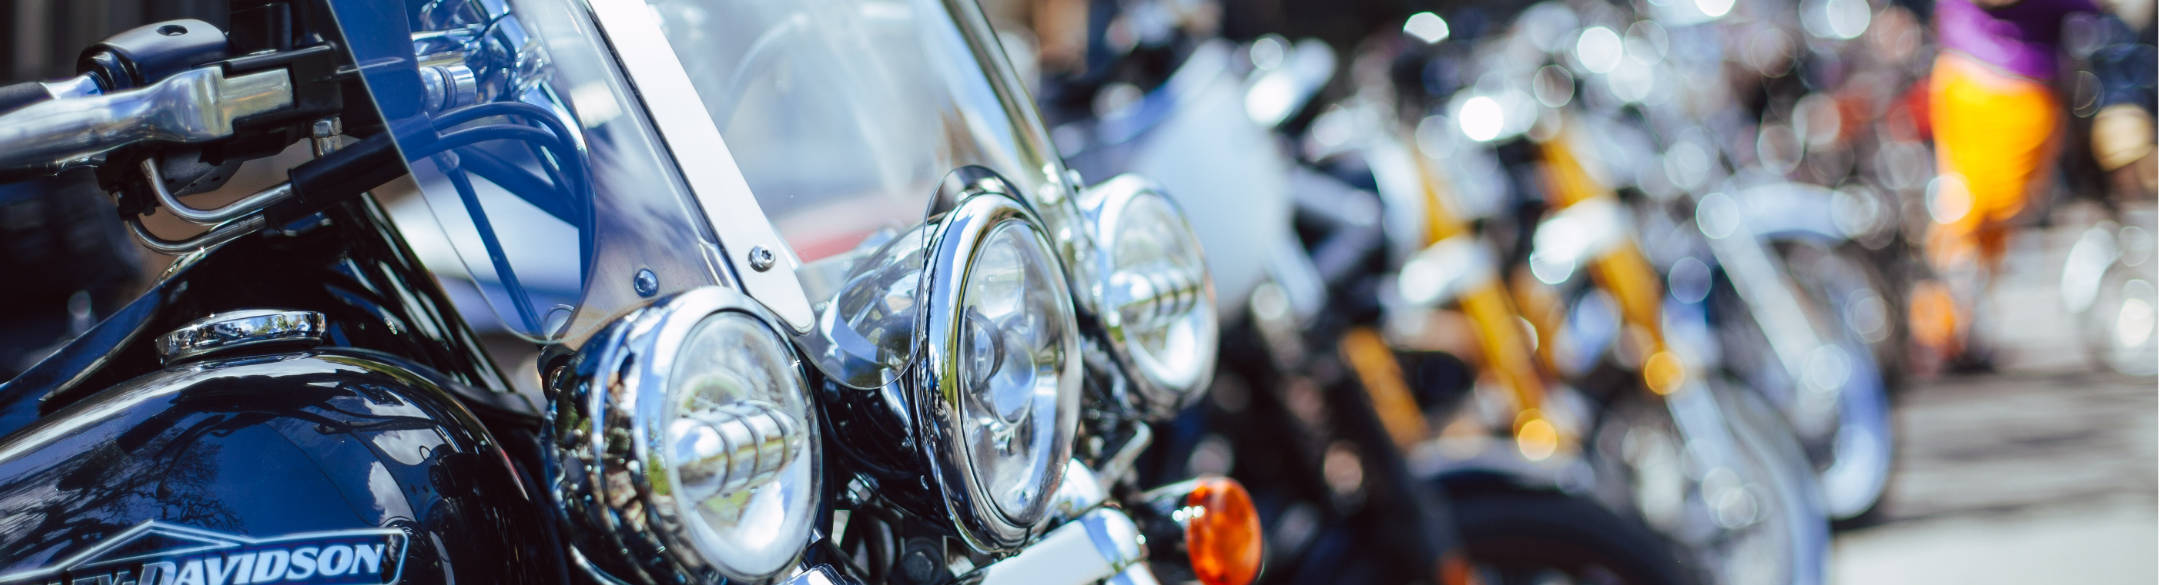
918 567
761 259
323 135
646 283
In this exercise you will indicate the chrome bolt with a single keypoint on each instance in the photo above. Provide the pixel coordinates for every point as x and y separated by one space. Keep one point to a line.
324 135
645 283
761 259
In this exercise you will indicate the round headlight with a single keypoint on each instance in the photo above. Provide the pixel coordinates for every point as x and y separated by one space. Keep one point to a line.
683 440
1154 298
1000 380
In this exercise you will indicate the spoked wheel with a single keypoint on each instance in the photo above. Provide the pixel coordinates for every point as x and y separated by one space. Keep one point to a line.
1852 458
1750 513
1530 537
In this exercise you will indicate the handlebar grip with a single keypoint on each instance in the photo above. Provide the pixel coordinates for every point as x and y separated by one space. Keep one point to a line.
17 95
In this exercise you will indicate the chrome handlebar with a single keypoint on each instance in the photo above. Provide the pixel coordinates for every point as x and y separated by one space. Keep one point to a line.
197 105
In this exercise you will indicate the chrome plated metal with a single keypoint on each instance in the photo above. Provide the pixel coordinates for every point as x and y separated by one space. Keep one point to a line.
1098 546
84 85
1133 575
235 210
1277 92
1078 493
938 389
1445 270
224 232
612 433
1776 307
744 444
1159 315
323 135
1151 299
819 575
693 140
193 106
449 86
240 329
1576 235
761 259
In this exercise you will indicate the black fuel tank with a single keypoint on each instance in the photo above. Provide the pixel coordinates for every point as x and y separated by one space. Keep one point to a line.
317 467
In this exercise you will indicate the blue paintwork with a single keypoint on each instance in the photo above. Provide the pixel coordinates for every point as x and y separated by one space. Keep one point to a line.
273 445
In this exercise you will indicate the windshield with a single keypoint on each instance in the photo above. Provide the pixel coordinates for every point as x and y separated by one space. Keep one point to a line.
569 190
553 205
845 114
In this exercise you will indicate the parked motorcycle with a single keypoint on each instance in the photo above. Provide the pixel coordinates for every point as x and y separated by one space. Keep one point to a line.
1675 438
1311 409
923 362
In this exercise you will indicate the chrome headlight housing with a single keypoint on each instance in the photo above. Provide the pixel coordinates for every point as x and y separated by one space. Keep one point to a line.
1151 292
997 385
682 443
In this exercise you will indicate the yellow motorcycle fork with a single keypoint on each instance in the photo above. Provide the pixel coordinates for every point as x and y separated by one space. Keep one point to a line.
1622 272
1503 350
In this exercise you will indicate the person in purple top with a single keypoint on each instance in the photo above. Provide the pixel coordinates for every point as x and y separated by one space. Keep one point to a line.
1997 123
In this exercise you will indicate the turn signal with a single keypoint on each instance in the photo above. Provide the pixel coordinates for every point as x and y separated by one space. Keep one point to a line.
1212 521
1222 533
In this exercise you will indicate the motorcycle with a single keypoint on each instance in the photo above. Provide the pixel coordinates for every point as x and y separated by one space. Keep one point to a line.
1309 409
1797 304
923 363
1674 438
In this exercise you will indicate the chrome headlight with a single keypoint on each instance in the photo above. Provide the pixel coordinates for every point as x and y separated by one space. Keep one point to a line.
682 442
1152 293
998 384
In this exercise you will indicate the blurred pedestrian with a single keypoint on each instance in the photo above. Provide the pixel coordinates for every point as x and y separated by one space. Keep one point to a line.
1998 125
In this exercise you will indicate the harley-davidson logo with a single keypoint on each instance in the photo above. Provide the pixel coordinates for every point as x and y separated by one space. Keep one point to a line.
165 554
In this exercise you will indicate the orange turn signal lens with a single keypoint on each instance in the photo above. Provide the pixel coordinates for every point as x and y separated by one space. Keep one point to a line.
1222 532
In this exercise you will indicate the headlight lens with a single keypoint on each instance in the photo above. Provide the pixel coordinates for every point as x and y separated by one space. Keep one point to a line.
1000 384
1014 332
738 425
683 443
1154 298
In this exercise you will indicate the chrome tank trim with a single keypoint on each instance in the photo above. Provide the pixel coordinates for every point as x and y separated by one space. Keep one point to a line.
237 329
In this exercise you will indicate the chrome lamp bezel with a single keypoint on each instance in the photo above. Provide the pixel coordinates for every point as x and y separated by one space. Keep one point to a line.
603 442
982 204
1157 394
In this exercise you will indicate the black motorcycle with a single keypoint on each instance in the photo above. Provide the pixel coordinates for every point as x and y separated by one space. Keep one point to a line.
806 295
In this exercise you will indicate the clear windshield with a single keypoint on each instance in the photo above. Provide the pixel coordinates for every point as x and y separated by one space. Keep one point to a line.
845 114
562 202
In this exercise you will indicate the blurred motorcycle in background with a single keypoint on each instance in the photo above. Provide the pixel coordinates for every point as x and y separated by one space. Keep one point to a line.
1699 457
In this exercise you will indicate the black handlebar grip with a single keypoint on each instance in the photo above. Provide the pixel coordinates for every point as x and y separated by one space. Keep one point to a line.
344 173
15 96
